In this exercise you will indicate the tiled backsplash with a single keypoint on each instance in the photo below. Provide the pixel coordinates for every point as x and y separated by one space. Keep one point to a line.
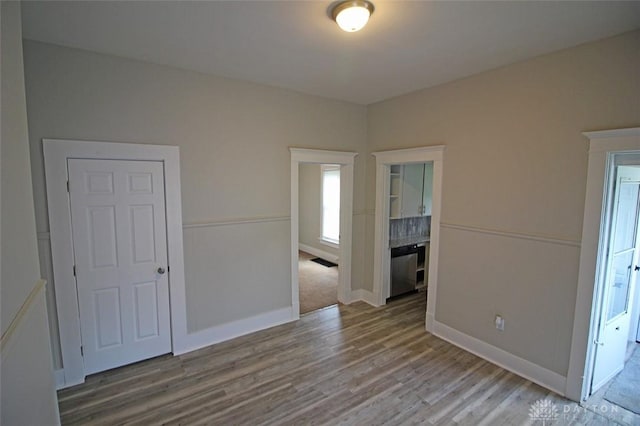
409 227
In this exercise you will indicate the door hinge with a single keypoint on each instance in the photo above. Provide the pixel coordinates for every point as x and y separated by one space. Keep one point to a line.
168 268
81 350
74 270
68 187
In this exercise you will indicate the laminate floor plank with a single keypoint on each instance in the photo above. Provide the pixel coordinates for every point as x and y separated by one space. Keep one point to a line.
342 365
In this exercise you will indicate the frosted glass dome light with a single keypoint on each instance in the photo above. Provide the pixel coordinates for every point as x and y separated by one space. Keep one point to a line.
352 15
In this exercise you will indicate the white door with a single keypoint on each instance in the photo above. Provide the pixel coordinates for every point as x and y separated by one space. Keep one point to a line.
120 247
619 279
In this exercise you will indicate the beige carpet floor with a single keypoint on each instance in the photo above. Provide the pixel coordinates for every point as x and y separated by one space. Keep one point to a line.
318 284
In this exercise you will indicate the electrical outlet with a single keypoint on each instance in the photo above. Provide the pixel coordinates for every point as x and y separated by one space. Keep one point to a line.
499 323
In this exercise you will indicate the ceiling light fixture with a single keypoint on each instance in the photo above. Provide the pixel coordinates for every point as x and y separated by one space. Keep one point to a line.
352 15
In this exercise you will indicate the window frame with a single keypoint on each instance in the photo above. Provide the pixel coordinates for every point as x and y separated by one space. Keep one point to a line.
322 238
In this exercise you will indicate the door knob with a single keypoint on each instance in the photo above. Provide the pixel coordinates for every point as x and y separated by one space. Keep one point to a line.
161 270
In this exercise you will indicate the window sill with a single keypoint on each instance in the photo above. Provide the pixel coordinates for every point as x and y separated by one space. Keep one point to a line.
331 243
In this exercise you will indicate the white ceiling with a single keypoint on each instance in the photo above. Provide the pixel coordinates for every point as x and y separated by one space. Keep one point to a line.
293 44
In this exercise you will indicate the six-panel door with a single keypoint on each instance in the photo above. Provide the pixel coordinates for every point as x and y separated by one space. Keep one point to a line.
120 245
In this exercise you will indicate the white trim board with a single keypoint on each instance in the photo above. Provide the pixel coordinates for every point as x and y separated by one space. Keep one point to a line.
361 295
601 147
318 252
231 330
381 254
56 154
59 377
601 139
530 371
346 162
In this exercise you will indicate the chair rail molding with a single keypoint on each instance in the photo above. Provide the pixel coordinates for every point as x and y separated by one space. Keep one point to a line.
24 309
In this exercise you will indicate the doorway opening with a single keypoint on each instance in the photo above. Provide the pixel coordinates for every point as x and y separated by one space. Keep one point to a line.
410 207
616 359
319 235
330 162
616 310
606 307
389 206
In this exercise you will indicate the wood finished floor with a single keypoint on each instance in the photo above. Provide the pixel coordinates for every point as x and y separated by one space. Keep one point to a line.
341 365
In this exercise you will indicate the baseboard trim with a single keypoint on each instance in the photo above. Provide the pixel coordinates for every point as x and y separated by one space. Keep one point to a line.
430 323
363 296
63 383
228 331
59 377
318 252
526 369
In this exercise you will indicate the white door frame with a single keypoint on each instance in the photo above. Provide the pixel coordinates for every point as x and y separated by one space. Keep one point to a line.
603 290
346 160
602 146
381 259
56 154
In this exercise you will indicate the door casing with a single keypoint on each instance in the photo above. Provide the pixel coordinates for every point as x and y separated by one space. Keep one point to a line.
382 259
602 146
56 154
603 349
346 162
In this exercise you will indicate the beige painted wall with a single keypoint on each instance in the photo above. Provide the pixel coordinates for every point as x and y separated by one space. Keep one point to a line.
20 270
235 163
515 153
27 392
309 209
